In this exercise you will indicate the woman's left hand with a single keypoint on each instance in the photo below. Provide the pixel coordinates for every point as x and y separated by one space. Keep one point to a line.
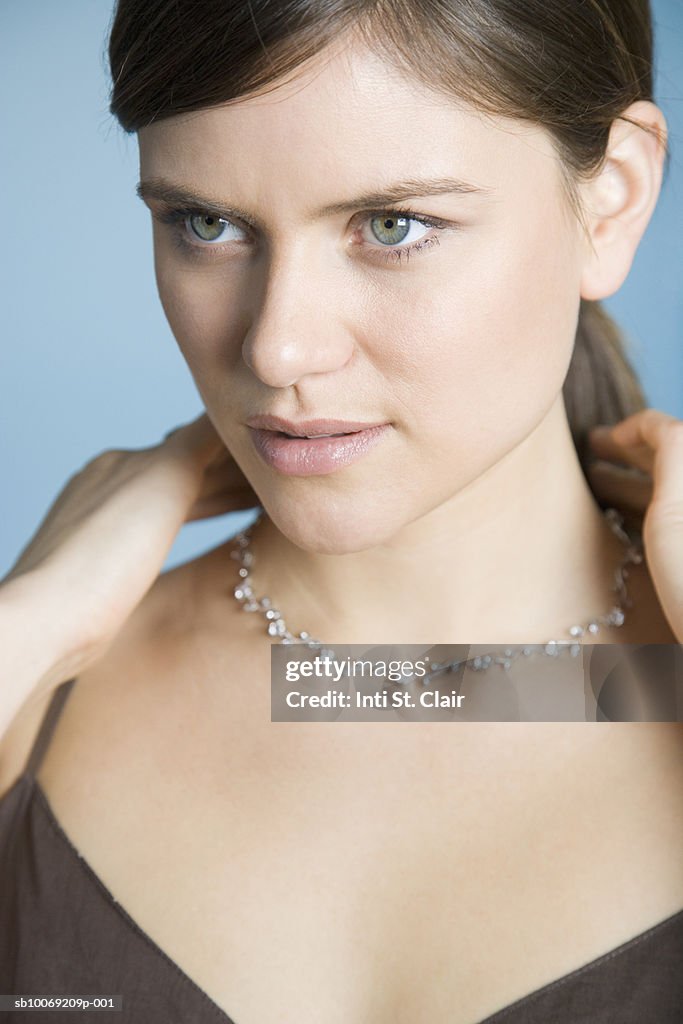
643 471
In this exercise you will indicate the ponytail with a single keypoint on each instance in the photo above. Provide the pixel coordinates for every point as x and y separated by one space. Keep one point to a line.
601 386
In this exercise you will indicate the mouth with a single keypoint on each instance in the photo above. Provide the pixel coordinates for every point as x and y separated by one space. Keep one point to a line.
311 428
313 437
314 454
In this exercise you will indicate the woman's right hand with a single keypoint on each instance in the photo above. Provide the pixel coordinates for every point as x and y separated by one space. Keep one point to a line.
104 540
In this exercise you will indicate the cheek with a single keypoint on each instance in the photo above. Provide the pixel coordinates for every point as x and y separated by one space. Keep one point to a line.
196 301
480 350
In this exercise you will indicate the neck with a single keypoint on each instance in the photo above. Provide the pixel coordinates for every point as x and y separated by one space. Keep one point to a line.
516 557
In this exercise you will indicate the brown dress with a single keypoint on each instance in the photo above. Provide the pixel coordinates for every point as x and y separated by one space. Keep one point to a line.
62 933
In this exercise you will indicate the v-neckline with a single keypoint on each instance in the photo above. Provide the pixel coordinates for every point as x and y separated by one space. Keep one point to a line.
494 1018
113 903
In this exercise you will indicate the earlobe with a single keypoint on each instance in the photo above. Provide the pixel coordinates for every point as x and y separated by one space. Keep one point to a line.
621 198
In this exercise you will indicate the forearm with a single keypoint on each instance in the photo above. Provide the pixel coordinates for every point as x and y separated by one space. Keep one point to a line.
34 657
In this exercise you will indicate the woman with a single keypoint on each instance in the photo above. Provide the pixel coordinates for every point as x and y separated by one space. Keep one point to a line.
398 217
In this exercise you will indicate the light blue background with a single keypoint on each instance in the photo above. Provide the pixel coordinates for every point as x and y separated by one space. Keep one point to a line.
88 361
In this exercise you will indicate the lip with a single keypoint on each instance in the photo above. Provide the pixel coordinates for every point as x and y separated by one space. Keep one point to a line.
278 423
300 456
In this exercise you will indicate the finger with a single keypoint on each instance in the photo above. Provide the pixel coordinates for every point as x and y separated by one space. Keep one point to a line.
663 434
667 497
225 482
222 504
198 437
223 472
641 457
647 426
635 439
626 489
223 462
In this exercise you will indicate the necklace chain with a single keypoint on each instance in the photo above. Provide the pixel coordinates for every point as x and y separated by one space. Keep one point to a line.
277 627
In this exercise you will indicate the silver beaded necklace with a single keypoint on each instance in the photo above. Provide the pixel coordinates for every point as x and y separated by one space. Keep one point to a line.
277 627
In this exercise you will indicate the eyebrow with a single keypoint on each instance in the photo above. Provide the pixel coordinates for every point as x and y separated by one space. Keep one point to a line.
410 188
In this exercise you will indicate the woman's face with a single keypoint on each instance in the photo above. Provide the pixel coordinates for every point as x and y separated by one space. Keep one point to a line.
458 335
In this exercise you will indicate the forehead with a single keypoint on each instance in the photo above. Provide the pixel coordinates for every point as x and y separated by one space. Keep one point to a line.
345 118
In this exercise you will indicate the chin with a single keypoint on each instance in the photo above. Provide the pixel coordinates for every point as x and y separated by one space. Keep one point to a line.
332 524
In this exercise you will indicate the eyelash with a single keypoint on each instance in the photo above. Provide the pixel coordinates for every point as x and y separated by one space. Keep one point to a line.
177 217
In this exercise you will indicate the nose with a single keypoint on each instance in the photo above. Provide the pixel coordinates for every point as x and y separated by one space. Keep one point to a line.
297 327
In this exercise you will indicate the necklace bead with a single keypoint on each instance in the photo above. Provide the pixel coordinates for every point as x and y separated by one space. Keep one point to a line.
616 616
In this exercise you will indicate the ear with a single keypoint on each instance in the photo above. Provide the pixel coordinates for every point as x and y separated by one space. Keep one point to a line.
618 202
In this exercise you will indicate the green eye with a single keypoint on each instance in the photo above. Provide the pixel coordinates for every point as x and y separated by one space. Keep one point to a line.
206 227
390 229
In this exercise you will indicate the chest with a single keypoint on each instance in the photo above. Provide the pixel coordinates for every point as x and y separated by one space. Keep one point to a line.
367 871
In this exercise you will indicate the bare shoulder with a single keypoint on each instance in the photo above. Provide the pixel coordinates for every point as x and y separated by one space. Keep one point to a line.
146 657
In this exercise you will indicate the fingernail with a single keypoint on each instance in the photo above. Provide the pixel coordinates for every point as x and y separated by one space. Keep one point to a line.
598 432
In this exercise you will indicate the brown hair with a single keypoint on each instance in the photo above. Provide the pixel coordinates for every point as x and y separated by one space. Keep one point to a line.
571 68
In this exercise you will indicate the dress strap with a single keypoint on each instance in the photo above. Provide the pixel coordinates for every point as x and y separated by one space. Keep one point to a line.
47 726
